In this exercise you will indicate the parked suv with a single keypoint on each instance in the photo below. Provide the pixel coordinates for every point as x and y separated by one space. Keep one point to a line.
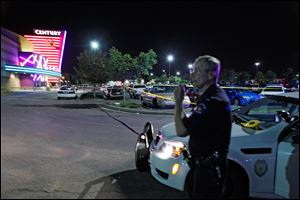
114 93
136 90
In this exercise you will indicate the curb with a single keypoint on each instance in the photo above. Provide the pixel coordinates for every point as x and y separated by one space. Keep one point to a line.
104 105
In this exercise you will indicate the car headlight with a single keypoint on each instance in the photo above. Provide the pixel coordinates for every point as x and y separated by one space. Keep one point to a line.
171 148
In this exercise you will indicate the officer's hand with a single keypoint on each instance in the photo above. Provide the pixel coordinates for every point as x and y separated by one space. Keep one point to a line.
178 94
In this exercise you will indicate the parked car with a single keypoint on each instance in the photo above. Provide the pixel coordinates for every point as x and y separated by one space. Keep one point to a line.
114 93
272 89
292 85
160 96
263 158
66 92
241 97
135 91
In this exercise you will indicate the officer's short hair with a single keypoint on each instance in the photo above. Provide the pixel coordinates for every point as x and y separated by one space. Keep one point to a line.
209 63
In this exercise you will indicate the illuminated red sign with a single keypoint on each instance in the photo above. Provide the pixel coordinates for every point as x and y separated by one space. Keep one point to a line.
49 44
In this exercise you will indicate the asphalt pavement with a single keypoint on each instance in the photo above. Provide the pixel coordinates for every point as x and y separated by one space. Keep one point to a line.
66 149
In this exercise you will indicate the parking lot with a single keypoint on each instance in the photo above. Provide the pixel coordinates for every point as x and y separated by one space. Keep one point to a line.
51 151
71 148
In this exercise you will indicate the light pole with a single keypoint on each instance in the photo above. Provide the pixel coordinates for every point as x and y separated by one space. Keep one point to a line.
94 46
257 64
190 66
170 59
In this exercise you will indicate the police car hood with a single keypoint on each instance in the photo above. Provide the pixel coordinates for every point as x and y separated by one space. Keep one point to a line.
168 131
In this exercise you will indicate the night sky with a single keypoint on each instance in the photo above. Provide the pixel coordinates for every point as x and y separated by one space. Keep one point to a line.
238 33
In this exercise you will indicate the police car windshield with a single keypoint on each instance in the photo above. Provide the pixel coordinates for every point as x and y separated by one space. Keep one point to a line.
266 111
273 89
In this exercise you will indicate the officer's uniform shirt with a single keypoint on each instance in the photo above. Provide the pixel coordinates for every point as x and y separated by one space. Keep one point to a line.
209 126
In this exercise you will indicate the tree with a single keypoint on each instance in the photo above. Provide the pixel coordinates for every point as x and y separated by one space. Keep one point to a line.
145 63
177 80
259 77
122 65
92 67
69 78
243 77
229 75
270 76
162 79
289 74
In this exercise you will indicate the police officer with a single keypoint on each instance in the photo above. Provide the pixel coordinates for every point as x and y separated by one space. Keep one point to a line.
209 127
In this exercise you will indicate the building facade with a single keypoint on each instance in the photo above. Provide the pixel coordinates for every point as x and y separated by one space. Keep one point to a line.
31 61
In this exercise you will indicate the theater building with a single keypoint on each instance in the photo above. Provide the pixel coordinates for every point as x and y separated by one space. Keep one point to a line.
33 60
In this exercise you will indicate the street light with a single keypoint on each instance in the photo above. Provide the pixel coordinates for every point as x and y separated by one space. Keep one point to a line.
94 45
151 74
170 59
190 66
177 73
257 64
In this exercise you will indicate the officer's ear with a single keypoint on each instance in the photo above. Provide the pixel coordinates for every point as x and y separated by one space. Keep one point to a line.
211 75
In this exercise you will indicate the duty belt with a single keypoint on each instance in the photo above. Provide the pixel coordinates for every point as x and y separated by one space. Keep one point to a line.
207 160
211 162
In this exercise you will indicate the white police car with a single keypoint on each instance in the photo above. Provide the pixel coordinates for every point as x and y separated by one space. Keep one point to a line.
263 154
66 92
161 96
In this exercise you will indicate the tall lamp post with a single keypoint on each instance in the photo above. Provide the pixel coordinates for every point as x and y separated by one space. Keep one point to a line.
170 59
94 46
190 66
257 64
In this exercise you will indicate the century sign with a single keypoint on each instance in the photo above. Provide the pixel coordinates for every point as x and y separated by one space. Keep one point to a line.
46 32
